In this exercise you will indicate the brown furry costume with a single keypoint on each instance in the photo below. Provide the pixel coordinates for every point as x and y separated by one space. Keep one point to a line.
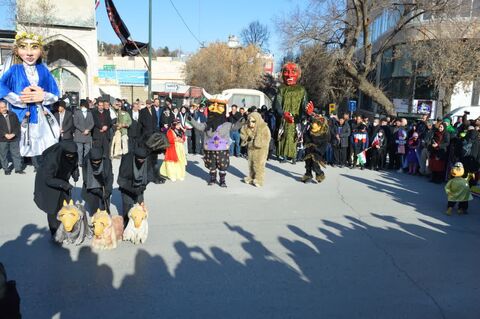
257 141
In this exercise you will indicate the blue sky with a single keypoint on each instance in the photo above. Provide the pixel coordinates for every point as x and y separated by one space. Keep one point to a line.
209 20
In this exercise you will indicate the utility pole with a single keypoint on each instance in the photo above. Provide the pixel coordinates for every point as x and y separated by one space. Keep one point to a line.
149 49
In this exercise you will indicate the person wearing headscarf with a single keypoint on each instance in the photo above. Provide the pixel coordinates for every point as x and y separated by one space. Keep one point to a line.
175 162
97 180
52 185
133 179
9 298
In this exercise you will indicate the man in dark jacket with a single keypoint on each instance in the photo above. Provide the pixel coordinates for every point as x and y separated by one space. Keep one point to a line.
65 120
97 180
148 125
52 185
9 140
167 117
83 123
342 135
134 130
101 130
133 179
233 118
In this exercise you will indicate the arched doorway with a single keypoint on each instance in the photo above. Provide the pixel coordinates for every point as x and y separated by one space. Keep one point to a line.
69 67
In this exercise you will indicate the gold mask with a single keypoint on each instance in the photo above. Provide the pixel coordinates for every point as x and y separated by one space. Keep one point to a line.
101 221
68 215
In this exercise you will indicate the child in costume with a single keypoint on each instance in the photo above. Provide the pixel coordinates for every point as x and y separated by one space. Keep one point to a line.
316 140
458 190
216 133
174 165
256 137
30 90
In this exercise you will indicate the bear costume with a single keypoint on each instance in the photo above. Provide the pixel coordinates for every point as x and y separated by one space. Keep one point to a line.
255 135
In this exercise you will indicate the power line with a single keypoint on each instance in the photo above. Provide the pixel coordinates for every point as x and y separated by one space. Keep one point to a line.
186 25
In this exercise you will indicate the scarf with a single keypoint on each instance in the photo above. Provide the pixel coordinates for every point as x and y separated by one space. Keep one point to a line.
139 174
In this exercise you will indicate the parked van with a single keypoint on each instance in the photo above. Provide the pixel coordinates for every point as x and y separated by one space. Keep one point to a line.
456 114
247 98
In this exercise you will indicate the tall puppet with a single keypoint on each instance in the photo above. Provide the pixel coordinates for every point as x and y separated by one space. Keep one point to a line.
291 106
30 90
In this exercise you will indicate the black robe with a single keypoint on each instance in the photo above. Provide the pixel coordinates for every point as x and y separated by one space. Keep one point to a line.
125 176
51 182
10 304
92 196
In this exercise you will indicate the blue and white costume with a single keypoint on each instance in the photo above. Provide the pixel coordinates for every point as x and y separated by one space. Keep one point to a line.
40 130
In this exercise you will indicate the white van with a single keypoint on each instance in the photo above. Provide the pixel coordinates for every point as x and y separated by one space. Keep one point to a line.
246 98
456 114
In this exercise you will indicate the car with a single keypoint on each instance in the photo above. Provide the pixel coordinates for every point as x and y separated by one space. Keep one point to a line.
457 113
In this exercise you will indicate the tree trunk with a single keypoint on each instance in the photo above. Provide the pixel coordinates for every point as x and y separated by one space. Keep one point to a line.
447 99
369 89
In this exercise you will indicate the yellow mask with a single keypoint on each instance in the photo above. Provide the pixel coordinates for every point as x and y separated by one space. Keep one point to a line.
217 107
457 170
138 213
101 221
68 215
315 127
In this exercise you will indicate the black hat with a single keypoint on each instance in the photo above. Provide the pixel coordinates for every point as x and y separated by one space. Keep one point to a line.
168 99
84 103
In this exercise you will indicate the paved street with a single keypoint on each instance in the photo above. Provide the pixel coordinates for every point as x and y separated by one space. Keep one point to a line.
360 245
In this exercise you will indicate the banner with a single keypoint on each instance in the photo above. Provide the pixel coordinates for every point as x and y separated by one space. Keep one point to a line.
129 46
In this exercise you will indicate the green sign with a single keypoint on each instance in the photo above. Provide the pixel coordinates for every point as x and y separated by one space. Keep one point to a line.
109 67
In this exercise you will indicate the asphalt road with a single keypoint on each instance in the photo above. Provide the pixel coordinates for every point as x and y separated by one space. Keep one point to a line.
360 245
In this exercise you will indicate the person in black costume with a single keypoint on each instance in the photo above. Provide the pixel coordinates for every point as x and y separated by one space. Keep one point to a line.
315 141
97 180
52 185
133 179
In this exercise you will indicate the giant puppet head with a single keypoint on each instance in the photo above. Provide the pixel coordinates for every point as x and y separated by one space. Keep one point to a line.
319 125
28 48
291 73
457 170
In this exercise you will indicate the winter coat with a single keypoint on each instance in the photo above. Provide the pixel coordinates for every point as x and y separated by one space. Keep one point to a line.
14 127
458 190
81 124
344 133
67 124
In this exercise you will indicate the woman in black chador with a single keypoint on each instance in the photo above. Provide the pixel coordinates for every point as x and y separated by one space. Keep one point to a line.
97 180
133 179
52 185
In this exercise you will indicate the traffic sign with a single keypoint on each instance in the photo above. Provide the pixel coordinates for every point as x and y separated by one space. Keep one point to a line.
352 105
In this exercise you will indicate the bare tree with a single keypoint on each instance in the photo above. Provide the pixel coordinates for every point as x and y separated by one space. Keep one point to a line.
34 16
449 65
217 67
345 27
255 34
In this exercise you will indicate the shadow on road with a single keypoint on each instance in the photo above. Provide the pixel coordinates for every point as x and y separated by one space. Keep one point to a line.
348 270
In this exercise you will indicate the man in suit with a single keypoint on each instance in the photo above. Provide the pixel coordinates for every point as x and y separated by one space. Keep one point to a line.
148 125
83 123
10 139
134 129
101 130
65 120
